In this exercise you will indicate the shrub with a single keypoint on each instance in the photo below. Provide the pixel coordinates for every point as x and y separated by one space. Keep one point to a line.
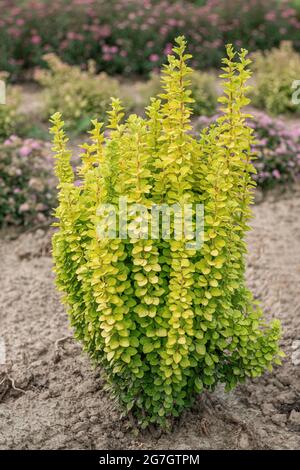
274 74
81 95
132 37
27 183
276 148
203 89
11 120
164 319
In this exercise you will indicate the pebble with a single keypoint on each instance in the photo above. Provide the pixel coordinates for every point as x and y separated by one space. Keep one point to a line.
244 441
296 357
296 352
101 443
83 415
285 379
268 409
296 344
4 413
81 427
294 418
286 397
279 418
94 419
262 433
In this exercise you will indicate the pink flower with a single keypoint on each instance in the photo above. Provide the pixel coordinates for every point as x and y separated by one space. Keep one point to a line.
107 57
288 12
24 207
35 145
172 22
24 151
104 31
276 174
168 49
271 16
36 39
15 11
71 35
14 32
154 58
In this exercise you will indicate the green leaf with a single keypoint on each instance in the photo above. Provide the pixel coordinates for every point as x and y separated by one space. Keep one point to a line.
208 360
148 347
198 384
177 357
124 342
201 349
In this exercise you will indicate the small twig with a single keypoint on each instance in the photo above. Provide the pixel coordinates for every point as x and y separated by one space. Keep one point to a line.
61 340
13 385
12 382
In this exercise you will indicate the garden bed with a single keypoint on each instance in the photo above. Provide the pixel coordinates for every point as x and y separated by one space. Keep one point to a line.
52 397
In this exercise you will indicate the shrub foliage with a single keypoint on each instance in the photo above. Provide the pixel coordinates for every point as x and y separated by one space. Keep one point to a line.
203 88
276 148
165 321
11 120
81 95
274 75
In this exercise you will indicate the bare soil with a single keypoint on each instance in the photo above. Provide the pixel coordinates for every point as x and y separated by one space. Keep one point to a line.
51 397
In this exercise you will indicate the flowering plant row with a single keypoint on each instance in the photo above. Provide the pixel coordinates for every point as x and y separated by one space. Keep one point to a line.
27 184
132 36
